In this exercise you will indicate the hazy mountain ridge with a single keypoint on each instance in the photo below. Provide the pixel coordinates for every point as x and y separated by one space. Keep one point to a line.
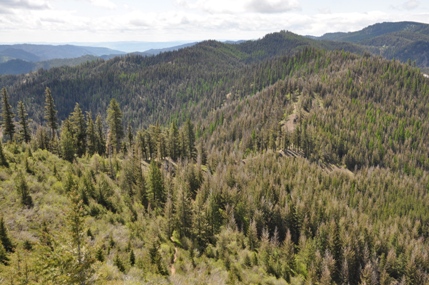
29 57
48 52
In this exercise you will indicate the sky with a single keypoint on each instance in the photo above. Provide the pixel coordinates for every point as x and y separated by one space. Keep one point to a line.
91 21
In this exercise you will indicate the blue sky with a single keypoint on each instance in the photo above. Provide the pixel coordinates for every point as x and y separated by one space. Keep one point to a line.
60 21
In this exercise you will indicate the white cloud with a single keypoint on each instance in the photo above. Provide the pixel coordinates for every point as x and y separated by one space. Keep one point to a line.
272 6
6 5
411 4
240 6
104 4
188 20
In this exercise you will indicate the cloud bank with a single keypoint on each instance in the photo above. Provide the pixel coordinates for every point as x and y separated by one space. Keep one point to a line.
114 20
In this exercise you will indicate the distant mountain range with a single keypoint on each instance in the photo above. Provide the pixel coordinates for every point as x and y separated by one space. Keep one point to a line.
405 41
24 58
36 53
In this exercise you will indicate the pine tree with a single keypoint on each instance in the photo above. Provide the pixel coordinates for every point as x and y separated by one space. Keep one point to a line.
24 132
67 143
91 135
3 160
188 143
114 120
173 141
4 238
24 191
7 115
183 210
252 235
155 186
3 255
50 112
132 258
118 263
130 136
100 139
82 270
78 127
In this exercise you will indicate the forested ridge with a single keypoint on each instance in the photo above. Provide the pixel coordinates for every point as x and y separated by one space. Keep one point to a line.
154 89
266 166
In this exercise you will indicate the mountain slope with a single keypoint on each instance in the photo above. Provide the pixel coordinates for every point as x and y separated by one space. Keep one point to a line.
401 40
313 167
149 88
379 29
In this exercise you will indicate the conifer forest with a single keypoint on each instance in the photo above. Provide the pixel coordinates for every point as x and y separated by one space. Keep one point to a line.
285 160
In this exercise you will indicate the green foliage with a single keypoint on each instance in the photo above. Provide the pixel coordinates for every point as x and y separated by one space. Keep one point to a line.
3 160
3 255
24 131
273 179
24 191
7 116
67 143
155 186
4 237
79 130
114 120
50 112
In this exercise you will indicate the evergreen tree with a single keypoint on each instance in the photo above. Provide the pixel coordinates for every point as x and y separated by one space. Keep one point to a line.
132 258
50 112
78 128
183 210
4 237
67 143
100 139
155 186
82 270
188 143
3 255
173 144
23 191
114 120
7 115
118 263
3 160
24 132
41 138
130 136
91 135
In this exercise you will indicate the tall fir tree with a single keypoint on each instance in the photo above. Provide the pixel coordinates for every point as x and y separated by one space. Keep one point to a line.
81 271
155 186
188 141
78 128
173 144
67 143
3 255
4 237
5 243
50 113
114 120
183 209
99 133
24 191
91 135
3 160
24 132
7 116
